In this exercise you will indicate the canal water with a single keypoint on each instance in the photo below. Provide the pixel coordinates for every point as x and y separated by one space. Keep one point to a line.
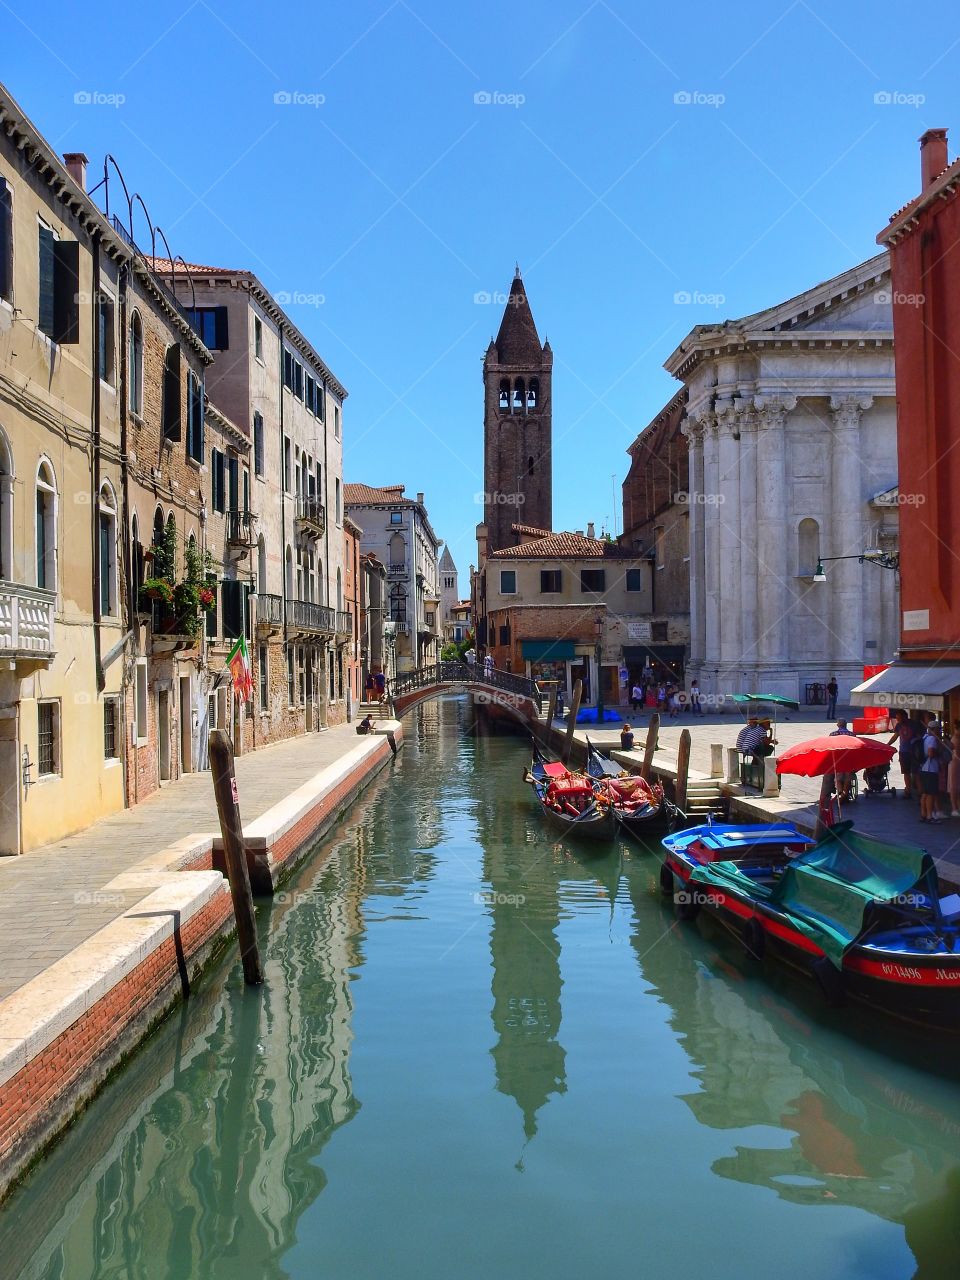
483 1053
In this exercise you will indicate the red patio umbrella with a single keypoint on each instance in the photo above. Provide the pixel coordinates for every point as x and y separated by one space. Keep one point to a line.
834 753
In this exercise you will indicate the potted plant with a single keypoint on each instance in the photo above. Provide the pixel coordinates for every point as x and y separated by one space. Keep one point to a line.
157 589
207 598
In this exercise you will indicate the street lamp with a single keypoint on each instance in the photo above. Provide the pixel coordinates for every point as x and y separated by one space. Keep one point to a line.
599 657
872 555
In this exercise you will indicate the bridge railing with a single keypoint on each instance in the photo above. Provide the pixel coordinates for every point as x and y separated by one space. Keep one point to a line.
463 673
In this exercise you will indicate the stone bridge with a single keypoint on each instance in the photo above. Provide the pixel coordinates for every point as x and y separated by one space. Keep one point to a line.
517 695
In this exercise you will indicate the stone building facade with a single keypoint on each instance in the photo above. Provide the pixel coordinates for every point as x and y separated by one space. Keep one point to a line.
791 424
397 530
656 524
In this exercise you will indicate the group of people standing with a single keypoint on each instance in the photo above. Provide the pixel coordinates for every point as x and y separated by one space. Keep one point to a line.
929 757
665 695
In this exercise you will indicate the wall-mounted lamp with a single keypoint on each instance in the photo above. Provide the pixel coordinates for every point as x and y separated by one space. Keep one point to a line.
873 555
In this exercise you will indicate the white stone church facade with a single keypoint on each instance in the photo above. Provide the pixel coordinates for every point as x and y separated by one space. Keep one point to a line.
791 422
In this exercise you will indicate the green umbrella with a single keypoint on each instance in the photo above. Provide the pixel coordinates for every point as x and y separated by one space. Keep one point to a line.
775 698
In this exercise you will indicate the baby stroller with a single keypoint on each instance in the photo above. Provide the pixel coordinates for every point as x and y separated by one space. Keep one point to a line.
877 780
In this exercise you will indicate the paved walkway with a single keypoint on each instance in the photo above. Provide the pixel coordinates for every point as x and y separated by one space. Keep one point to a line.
882 815
53 899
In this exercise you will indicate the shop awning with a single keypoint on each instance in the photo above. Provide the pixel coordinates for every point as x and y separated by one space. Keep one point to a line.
914 685
546 650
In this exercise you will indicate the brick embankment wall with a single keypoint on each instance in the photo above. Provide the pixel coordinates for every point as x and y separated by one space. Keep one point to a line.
47 1092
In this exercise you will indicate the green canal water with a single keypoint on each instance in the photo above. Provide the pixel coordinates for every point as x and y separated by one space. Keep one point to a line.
480 1053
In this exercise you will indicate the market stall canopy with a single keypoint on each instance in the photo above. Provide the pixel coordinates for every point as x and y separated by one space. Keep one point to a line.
913 685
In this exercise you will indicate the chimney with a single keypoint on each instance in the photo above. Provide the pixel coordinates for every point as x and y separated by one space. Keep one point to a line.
933 155
420 498
76 163
590 532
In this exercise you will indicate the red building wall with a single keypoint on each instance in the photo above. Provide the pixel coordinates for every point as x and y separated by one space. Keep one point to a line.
924 244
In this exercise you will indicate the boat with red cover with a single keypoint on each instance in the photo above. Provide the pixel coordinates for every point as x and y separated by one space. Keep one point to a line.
569 800
866 919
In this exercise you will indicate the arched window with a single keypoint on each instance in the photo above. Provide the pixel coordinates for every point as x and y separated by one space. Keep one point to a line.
46 527
320 596
533 393
6 508
107 550
339 592
398 602
261 566
808 547
135 365
398 551
530 466
504 394
288 573
518 403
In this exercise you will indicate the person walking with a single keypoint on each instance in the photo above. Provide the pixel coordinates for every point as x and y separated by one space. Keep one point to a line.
903 734
673 701
488 666
930 775
696 707
636 697
833 691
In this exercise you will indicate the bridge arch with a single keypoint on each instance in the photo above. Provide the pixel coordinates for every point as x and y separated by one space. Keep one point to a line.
516 695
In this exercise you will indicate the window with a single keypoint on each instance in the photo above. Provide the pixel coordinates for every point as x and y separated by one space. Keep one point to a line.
210 325
107 546
287 465
551 581
337 492
135 365
211 711
194 418
808 547
106 337
258 337
48 738
6 242
298 379
140 703
111 724
234 597
211 616
593 579
288 369
301 675
658 632
336 421
218 498
233 483
310 398
170 403
258 443
396 517
319 405
634 579
430 618
263 668
291 683
508 582
261 565
136 566
46 530
505 633
58 304
398 603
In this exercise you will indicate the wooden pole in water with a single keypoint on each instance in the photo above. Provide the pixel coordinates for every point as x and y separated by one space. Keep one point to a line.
234 853
683 769
552 705
653 729
572 719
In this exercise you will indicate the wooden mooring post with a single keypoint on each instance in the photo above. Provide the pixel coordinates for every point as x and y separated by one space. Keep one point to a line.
683 770
552 704
235 853
572 719
653 730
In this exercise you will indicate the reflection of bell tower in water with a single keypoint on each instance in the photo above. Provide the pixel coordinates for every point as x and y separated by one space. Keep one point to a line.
529 1059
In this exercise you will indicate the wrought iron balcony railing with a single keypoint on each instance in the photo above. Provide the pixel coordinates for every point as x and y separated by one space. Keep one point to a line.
304 615
269 610
241 528
311 515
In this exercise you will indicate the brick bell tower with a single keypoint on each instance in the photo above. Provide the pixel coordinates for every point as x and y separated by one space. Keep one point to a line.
517 425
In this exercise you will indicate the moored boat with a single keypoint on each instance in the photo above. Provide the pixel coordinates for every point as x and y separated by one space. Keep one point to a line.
866 919
569 800
639 807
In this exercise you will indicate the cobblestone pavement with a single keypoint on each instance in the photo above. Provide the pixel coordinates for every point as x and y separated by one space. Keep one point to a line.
52 899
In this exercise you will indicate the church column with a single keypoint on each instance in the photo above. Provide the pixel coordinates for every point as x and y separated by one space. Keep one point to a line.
771 529
693 430
747 427
711 550
726 501
846 531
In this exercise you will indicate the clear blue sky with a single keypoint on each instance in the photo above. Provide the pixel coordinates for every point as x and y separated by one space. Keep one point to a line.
398 198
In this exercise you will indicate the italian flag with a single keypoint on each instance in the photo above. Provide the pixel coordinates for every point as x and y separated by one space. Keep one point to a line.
238 660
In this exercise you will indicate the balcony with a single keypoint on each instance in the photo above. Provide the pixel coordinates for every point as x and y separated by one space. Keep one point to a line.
172 632
397 572
269 614
26 626
311 619
241 530
311 516
344 623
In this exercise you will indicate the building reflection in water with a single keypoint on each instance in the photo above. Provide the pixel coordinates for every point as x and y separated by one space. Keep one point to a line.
866 1130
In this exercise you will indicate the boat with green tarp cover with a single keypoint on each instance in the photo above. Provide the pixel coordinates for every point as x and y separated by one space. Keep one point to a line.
864 917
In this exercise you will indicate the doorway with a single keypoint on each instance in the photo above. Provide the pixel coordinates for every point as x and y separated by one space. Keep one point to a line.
186 726
163 733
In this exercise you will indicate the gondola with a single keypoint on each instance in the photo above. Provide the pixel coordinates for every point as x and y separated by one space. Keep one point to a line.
640 809
569 800
866 919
